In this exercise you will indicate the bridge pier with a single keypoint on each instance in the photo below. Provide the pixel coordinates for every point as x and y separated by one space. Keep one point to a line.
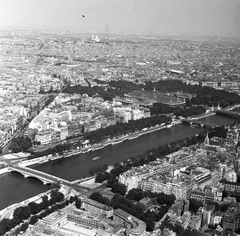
45 182
25 175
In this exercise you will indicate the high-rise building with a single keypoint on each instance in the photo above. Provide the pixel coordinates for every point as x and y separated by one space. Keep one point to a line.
207 211
134 226
236 166
223 168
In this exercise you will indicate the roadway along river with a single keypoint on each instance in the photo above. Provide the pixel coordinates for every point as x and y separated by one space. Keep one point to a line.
15 188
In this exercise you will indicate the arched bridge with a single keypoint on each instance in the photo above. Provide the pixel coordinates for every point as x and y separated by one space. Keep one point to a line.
229 113
44 177
198 122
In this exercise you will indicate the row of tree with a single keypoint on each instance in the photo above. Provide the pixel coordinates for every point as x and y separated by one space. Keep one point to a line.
34 211
159 108
58 149
25 212
126 128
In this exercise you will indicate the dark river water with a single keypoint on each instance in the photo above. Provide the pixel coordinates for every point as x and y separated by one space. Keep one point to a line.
14 187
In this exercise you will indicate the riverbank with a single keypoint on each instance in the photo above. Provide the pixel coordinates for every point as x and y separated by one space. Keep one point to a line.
114 141
3 171
95 147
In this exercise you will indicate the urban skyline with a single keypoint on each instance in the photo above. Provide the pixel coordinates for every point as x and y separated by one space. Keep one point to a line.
156 17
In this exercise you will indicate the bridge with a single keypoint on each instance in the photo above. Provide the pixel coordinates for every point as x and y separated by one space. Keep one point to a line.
229 113
44 177
198 122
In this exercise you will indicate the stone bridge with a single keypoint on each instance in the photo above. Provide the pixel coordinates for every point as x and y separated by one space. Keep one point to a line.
44 177
230 113
198 122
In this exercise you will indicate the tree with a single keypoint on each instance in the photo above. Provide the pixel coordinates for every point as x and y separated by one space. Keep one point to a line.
33 220
21 144
60 197
24 227
45 201
4 226
15 147
102 177
135 194
22 213
72 199
78 202
96 196
163 198
34 208
119 188
56 196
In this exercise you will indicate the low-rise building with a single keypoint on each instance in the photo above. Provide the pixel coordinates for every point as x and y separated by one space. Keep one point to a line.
133 225
77 216
55 220
195 222
94 206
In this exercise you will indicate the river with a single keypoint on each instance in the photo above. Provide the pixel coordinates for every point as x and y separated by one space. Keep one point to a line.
14 187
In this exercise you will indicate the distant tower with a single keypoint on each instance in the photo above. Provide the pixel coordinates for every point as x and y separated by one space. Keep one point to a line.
186 205
206 141
107 31
237 143
236 166
236 160
212 107
223 168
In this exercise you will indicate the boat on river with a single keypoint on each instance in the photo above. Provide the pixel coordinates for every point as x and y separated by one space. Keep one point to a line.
194 125
87 150
43 161
95 158
98 147
133 136
55 158
176 122
117 141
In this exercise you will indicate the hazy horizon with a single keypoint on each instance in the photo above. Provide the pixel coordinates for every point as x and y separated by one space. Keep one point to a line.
153 17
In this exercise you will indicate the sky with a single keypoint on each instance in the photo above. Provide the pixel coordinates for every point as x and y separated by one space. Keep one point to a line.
163 17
